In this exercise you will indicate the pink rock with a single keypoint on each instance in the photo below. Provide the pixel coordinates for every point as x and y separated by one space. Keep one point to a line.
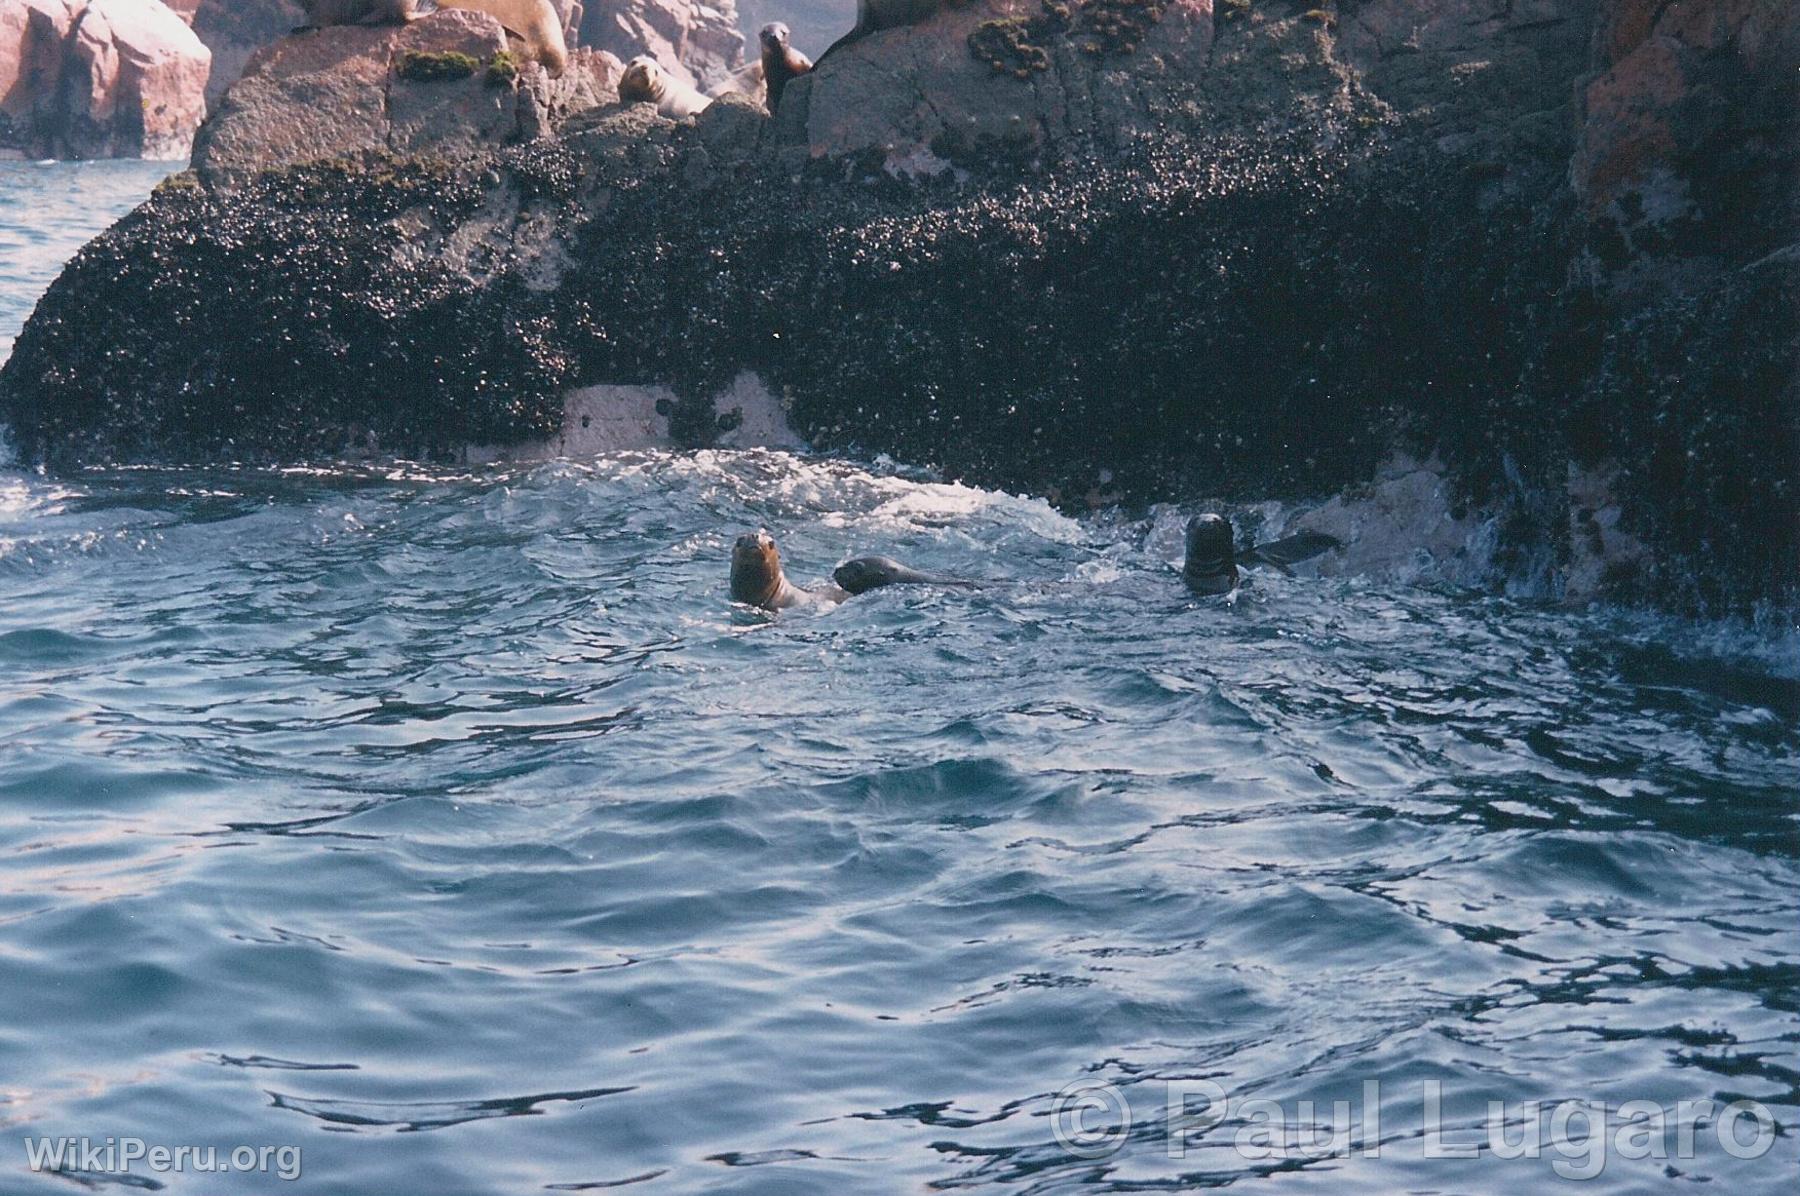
699 42
337 93
99 78
136 82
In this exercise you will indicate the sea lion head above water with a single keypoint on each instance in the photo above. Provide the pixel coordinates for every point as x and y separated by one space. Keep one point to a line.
1211 564
756 577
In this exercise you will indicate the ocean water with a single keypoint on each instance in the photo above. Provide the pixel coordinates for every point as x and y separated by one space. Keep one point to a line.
453 832
48 210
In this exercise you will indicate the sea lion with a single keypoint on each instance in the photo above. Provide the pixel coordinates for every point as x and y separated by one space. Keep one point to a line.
757 579
323 13
645 82
533 22
1212 560
872 16
780 62
867 573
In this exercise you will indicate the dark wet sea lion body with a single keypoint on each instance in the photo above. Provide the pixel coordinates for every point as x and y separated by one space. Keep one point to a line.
780 62
1210 565
1212 559
867 573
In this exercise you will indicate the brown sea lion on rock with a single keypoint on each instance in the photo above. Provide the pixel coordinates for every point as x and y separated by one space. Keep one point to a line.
1212 560
644 81
323 13
533 22
780 62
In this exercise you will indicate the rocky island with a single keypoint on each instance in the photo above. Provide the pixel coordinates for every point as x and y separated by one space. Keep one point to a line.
1102 250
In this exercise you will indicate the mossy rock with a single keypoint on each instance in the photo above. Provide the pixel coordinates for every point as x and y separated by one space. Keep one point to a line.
503 69
418 66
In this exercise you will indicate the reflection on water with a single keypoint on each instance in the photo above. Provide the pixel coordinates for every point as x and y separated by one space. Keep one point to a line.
338 807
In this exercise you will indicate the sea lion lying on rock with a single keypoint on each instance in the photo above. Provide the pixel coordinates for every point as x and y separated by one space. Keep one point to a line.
323 13
644 81
1212 560
533 22
757 579
780 62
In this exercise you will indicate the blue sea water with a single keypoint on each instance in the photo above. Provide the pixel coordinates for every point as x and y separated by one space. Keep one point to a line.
48 210
453 830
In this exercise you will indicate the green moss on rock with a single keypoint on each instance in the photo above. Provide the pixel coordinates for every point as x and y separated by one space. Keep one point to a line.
503 69
419 66
1020 46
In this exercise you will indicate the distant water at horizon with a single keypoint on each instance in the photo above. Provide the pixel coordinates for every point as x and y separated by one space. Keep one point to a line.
451 829
48 210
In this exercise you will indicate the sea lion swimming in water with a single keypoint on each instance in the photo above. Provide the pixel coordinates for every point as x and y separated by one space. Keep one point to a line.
757 579
780 62
1212 559
867 573
644 81
756 576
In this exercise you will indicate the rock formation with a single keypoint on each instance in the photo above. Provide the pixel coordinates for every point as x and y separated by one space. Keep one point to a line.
445 86
699 42
234 30
99 79
1251 247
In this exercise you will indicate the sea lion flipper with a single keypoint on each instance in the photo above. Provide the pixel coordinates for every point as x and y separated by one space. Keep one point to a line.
1291 550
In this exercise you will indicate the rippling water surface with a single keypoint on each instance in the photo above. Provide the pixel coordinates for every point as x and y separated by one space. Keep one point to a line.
48 210
457 831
